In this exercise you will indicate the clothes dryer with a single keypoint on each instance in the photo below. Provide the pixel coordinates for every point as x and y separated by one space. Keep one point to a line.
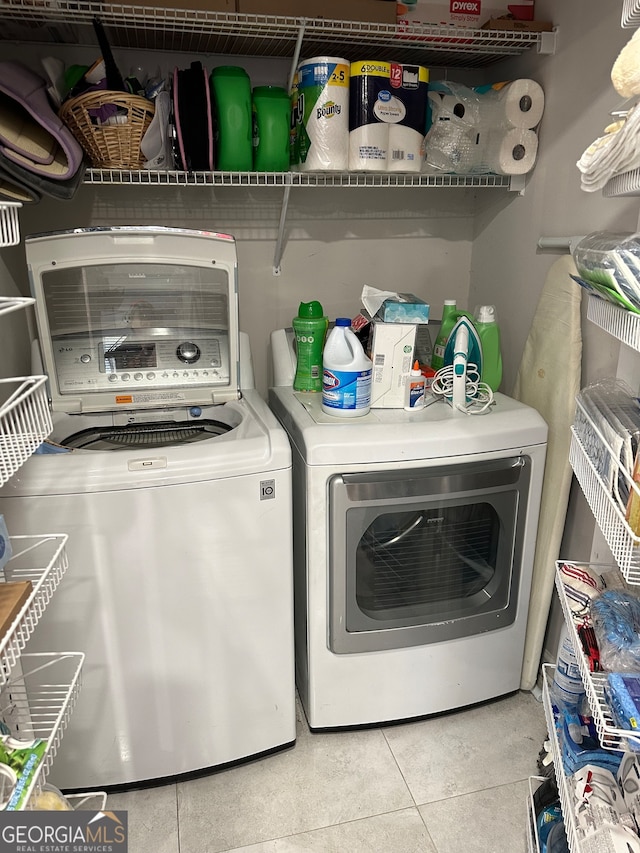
414 537
173 480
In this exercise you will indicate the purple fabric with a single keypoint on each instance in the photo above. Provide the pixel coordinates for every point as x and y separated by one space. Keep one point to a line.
29 90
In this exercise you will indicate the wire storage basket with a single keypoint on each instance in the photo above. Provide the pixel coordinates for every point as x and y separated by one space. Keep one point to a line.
109 126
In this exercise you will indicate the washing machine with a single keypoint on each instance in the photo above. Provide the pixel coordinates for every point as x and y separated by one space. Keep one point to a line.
414 537
173 480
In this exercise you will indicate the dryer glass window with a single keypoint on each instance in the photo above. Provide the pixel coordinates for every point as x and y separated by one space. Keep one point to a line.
424 556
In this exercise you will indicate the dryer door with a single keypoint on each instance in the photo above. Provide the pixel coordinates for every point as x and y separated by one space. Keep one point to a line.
427 555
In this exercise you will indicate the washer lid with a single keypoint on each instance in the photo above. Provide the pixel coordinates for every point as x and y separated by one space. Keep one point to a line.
136 317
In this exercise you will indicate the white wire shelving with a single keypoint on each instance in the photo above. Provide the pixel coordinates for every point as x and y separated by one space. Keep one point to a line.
622 541
621 324
197 31
41 560
25 421
291 179
611 737
561 781
9 227
14 303
37 703
630 13
533 840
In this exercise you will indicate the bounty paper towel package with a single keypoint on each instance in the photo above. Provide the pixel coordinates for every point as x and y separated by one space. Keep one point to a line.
322 100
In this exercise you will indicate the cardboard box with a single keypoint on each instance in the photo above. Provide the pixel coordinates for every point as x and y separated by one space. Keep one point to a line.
458 13
405 308
373 11
391 349
513 25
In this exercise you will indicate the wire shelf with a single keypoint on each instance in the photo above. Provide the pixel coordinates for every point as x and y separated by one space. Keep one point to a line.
38 703
9 227
294 179
623 325
628 183
561 781
621 540
188 31
25 421
14 303
43 561
533 840
611 737
630 13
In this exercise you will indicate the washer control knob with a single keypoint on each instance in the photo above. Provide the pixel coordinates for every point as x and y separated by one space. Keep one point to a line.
188 352
137 376
85 359
126 377
151 376
113 377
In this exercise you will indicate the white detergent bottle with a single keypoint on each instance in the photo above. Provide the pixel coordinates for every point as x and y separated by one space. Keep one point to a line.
346 373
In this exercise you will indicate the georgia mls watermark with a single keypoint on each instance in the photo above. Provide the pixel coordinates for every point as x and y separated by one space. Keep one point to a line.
63 832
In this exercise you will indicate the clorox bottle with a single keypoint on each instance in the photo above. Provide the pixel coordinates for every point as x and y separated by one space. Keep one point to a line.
346 374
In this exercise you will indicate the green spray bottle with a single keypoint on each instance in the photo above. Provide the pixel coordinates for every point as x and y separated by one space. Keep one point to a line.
310 327
450 316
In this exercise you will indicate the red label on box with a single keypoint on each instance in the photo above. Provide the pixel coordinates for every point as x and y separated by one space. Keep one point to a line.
395 76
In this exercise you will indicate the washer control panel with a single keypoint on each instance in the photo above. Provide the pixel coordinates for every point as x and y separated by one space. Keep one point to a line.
112 362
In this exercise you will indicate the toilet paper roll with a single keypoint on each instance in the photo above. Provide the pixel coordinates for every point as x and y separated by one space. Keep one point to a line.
323 129
519 103
509 152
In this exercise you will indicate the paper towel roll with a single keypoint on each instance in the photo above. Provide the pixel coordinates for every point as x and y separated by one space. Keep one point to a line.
519 103
509 152
323 131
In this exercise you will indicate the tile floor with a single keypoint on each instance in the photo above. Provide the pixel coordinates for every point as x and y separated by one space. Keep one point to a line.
457 782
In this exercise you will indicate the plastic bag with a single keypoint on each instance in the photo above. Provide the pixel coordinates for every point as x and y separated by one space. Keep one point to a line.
616 622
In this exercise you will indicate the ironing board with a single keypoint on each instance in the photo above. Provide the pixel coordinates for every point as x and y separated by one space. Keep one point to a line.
549 379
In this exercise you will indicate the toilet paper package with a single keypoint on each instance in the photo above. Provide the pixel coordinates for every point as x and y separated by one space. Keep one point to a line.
387 116
323 114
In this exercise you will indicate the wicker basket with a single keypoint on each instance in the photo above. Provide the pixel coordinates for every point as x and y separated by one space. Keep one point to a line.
110 146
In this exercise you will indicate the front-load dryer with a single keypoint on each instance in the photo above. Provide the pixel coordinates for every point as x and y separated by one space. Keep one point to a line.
414 537
172 479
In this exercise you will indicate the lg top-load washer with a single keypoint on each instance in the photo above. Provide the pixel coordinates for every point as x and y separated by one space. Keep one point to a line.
414 537
173 480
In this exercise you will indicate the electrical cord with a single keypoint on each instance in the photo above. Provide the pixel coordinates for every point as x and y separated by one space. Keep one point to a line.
481 396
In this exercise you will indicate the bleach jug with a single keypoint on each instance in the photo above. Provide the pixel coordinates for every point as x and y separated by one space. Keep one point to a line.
232 90
310 327
489 333
346 373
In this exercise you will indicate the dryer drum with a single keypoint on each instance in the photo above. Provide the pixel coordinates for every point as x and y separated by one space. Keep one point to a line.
161 434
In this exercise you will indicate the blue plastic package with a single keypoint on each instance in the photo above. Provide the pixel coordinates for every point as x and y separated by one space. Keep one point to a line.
616 622
6 551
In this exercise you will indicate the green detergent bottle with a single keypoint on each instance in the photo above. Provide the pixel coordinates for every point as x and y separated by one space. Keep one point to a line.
232 99
271 129
310 327
449 317
489 333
